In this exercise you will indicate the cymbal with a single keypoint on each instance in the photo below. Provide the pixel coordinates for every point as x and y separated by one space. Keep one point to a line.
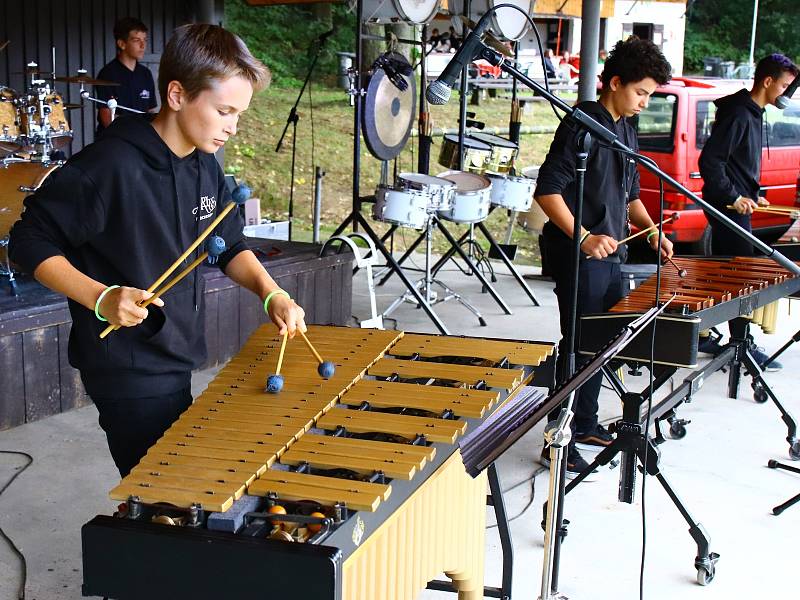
389 113
84 79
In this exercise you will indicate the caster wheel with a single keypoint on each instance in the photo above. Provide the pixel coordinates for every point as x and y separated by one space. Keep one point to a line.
794 451
677 430
704 575
759 394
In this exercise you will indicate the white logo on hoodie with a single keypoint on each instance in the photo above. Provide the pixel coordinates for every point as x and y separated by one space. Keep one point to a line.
207 206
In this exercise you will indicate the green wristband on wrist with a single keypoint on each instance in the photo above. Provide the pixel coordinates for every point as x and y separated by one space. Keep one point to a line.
584 236
100 299
271 294
651 234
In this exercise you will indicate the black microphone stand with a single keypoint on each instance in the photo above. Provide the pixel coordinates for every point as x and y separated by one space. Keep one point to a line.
293 118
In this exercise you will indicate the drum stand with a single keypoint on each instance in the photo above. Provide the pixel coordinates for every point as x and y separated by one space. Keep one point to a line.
454 244
426 283
6 270
774 464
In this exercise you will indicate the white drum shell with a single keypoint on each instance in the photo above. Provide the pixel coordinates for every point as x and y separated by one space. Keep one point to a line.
513 193
472 201
406 11
439 190
407 208
506 23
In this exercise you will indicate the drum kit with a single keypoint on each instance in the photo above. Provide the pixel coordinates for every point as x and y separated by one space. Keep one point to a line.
34 133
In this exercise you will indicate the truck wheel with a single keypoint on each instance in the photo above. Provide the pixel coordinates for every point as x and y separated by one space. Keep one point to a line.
703 245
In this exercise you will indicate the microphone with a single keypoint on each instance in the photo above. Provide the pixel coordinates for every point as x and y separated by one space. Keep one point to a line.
439 91
785 99
112 106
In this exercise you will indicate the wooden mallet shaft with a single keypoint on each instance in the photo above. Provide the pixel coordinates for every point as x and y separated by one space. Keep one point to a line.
669 219
172 283
311 347
280 354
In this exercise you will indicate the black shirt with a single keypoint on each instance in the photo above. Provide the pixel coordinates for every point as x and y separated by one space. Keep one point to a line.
137 89
612 180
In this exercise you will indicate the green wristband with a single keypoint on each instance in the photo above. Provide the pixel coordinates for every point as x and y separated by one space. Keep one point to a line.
651 234
584 236
271 294
100 299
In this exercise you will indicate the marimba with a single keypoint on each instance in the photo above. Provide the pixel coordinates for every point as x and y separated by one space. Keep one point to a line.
350 487
713 292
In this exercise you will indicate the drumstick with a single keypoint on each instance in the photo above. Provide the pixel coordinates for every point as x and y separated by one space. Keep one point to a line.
771 209
216 246
669 219
275 381
326 369
681 272
673 217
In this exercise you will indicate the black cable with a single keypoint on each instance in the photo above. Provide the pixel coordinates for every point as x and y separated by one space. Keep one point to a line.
532 479
651 390
3 535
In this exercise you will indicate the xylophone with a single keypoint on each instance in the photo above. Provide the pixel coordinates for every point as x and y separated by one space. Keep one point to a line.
350 487
713 291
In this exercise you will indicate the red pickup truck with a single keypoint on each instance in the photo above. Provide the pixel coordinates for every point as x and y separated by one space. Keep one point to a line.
673 130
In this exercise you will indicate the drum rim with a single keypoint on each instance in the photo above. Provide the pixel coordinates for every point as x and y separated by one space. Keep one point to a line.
453 139
509 144
444 182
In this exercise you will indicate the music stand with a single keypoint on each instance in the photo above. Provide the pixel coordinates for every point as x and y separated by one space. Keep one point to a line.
507 425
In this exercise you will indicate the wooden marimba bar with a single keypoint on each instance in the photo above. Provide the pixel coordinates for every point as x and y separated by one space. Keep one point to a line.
370 454
709 283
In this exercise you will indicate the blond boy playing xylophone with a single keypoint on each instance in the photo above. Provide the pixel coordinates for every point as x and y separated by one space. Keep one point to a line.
122 210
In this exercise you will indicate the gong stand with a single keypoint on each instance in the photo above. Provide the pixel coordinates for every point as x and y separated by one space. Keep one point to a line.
356 218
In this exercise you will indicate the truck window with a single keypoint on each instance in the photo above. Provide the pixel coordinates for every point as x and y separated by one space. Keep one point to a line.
782 126
655 126
706 112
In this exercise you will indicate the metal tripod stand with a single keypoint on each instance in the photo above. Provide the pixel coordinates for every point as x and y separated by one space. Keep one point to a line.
425 284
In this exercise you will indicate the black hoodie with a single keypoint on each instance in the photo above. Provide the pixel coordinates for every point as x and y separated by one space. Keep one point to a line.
121 211
730 162
612 180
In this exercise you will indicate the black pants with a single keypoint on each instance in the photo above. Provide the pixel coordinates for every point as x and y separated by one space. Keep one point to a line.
599 288
133 425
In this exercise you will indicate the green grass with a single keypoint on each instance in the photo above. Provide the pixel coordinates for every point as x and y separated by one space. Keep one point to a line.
252 158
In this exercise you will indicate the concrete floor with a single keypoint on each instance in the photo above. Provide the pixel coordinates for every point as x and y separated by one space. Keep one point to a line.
718 469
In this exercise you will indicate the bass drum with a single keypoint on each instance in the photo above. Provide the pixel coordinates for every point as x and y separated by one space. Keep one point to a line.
506 23
395 11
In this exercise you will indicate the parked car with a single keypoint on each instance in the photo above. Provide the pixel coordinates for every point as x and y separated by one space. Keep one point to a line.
674 129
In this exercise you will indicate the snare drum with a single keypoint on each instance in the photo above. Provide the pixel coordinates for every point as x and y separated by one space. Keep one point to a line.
9 120
407 208
42 116
503 151
472 198
407 11
506 23
477 154
513 193
440 191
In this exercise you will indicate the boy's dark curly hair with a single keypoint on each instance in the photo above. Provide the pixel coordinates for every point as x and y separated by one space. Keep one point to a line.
774 66
634 60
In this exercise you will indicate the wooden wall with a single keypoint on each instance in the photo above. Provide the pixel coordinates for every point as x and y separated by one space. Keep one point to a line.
81 32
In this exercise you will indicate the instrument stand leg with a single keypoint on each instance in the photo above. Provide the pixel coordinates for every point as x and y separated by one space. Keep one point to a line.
634 446
508 263
356 218
784 348
495 499
386 272
774 464
762 391
472 266
425 286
